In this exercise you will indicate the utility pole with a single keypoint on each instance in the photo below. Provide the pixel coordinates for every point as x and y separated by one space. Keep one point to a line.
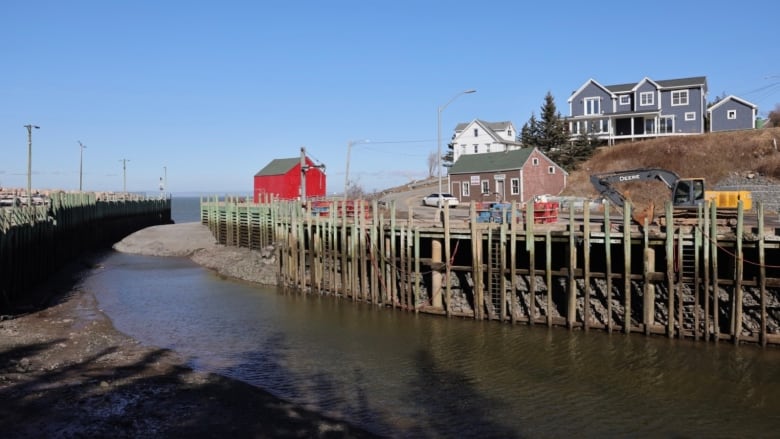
124 174
304 169
81 164
29 162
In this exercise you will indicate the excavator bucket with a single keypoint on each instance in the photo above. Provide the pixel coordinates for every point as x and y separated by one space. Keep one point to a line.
641 213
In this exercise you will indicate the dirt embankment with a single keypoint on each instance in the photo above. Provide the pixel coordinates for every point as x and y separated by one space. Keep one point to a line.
65 371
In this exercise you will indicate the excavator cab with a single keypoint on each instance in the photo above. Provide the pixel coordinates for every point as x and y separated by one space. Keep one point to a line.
688 192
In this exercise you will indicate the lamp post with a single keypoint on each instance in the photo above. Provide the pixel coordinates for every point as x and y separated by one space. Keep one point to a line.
438 136
124 174
350 144
29 161
81 164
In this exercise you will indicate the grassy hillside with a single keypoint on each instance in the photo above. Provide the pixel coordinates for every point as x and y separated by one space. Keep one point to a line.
715 156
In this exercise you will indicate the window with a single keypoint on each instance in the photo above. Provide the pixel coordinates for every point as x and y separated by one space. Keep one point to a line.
464 189
509 133
575 127
649 126
599 126
592 106
535 161
680 97
731 114
666 125
646 98
515 182
476 149
690 115
485 186
476 132
551 169
625 99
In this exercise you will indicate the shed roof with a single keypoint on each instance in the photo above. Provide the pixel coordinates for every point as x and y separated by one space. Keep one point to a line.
492 161
278 167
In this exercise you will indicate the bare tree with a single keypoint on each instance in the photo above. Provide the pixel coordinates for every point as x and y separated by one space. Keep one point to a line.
774 117
355 190
432 164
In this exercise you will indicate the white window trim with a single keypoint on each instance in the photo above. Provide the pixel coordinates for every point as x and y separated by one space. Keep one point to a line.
485 186
535 161
551 169
650 101
625 99
731 114
680 94
465 189
512 186
690 115
596 106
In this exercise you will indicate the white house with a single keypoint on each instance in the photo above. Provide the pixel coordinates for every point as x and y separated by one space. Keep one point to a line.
478 136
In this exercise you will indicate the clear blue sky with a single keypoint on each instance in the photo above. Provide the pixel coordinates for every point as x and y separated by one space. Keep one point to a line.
214 90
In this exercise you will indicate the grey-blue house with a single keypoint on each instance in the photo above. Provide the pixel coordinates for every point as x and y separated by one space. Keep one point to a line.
732 113
643 109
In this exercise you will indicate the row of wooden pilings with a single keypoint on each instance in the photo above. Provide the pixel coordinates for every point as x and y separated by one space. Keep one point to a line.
36 241
700 280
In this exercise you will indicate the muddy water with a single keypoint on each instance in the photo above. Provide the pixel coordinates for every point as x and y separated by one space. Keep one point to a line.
398 374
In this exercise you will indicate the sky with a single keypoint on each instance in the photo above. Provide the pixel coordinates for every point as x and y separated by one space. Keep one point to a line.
204 94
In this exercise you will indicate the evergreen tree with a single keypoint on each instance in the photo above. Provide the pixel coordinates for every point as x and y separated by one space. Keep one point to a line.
547 133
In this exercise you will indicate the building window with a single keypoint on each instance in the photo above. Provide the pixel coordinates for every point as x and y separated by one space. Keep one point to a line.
476 149
485 186
646 98
509 133
551 169
731 114
476 132
535 161
666 125
649 126
592 106
464 189
680 97
625 99
690 115
515 182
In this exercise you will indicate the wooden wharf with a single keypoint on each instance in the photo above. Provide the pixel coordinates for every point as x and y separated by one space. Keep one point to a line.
38 240
695 280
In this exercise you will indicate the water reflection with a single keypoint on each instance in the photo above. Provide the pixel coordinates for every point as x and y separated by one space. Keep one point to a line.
401 374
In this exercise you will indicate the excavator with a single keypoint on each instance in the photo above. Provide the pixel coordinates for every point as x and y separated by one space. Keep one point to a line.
687 193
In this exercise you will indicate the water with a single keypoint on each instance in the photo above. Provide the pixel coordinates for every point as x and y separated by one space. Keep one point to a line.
405 375
185 209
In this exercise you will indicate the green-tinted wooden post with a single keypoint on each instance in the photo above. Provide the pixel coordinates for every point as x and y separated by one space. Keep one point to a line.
762 273
738 293
715 283
627 267
608 260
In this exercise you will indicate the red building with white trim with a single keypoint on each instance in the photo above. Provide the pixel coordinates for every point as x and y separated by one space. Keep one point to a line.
281 179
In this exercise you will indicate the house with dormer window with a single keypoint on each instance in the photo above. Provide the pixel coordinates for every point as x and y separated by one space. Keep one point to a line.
478 137
644 109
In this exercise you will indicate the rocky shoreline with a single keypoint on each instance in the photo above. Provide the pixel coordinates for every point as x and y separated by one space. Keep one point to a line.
66 372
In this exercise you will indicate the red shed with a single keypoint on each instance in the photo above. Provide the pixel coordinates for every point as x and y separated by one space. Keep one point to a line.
282 179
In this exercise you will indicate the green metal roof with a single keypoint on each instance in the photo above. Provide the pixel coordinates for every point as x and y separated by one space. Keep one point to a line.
278 167
490 162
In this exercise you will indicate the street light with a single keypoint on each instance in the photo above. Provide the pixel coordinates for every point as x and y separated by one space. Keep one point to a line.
438 126
81 164
124 174
29 162
350 144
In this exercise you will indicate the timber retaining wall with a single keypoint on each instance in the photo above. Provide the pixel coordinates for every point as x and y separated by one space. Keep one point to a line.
36 241
698 279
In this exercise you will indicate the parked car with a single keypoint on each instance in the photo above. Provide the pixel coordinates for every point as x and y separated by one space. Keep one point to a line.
433 200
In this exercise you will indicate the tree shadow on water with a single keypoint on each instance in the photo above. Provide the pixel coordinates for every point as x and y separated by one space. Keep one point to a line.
136 392
450 406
